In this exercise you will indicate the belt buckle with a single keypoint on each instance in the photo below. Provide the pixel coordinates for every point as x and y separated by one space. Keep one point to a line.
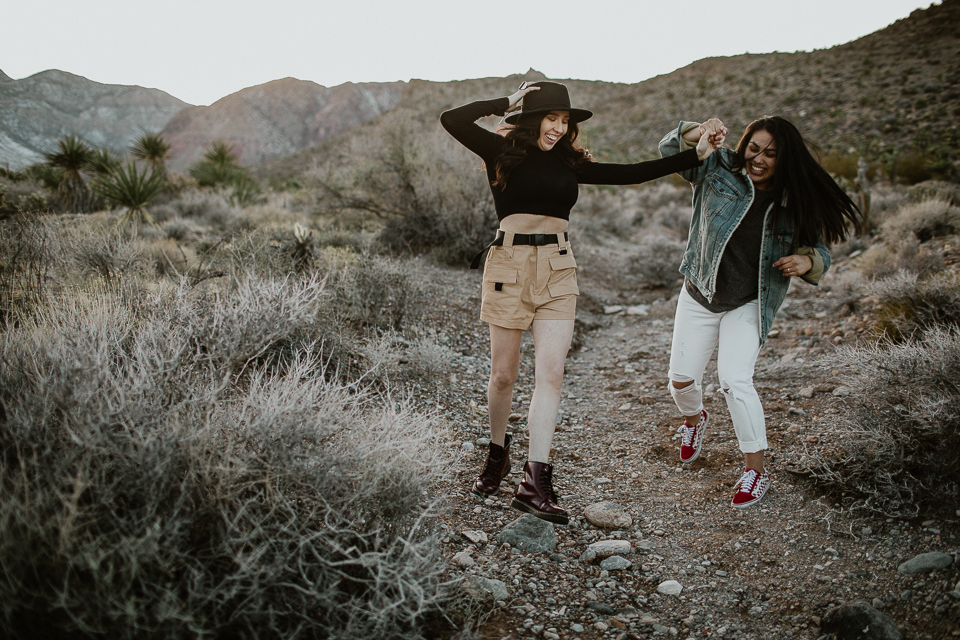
539 239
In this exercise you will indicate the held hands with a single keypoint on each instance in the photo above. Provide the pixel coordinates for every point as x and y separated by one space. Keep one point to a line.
712 135
794 265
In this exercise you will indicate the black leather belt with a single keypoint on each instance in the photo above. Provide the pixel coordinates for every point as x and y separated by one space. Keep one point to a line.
523 239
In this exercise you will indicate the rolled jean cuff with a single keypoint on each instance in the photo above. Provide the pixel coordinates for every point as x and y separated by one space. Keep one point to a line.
753 447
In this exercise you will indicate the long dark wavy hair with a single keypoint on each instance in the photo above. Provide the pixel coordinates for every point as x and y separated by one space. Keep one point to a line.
524 135
815 203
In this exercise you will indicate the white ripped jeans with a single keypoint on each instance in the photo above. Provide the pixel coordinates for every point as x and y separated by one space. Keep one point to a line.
696 332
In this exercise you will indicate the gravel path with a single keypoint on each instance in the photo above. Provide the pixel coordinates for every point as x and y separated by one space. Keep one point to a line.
771 571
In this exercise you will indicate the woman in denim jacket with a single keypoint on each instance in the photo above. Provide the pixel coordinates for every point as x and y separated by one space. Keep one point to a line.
761 215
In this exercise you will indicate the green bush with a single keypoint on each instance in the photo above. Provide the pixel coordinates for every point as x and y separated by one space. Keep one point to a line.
167 472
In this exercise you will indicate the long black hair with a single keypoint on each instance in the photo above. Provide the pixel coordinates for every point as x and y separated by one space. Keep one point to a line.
524 134
815 203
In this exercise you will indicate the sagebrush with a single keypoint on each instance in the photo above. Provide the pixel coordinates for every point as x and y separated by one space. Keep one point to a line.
168 472
894 441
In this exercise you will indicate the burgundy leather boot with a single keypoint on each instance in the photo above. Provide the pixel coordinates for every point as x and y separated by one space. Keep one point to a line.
536 495
498 466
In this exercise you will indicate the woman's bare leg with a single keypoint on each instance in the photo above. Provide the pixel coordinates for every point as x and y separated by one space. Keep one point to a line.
551 342
504 367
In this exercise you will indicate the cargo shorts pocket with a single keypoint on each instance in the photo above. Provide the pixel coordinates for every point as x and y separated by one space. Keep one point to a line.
563 277
495 278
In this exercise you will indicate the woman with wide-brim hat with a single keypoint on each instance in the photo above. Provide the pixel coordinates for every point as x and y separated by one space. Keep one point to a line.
534 164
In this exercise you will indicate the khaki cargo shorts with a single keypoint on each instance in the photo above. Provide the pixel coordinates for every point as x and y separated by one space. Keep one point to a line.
523 283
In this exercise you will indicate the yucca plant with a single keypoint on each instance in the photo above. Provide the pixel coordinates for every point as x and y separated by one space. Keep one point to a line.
222 154
73 158
153 149
128 187
208 174
103 161
49 176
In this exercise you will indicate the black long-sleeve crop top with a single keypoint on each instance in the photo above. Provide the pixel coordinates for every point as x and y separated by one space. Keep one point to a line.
542 183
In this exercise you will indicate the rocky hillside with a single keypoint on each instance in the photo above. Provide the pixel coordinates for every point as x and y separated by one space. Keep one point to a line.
889 92
277 118
37 111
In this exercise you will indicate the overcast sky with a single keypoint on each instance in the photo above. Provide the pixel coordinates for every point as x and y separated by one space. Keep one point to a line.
203 50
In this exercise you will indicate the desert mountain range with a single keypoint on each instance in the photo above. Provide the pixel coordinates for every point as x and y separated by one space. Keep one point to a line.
895 88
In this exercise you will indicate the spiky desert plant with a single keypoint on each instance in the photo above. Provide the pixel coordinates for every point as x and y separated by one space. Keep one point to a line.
128 187
208 174
47 175
220 165
73 158
102 161
222 154
153 149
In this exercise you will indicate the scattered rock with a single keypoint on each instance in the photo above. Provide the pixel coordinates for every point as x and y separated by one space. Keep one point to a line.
530 533
468 446
858 620
615 563
841 391
638 310
464 559
612 309
605 549
813 439
670 588
806 392
609 515
926 562
482 442
646 545
480 584
599 607
475 537
796 411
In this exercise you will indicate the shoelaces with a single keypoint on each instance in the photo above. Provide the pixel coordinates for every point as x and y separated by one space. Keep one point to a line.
687 434
747 480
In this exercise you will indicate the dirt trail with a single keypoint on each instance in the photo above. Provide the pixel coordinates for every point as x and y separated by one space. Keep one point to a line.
771 571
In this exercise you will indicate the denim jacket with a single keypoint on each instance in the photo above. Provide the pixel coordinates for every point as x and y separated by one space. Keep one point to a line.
721 199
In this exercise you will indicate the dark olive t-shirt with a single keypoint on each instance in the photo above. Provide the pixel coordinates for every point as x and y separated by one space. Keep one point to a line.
738 277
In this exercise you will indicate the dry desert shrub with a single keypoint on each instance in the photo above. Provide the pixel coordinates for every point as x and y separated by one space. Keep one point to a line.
164 477
30 254
904 254
657 260
205 207
923 220
632 212
909 306
429 195
895 439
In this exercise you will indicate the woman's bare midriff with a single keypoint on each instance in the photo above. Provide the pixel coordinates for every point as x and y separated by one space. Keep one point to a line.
533 223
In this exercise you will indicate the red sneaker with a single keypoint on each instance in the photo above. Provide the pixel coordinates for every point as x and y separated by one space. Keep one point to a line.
751 488
693 437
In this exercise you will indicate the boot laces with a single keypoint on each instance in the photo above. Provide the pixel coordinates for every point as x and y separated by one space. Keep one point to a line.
493 462
546 484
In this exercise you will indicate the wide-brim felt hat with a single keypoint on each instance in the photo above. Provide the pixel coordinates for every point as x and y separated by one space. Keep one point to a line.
552 96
